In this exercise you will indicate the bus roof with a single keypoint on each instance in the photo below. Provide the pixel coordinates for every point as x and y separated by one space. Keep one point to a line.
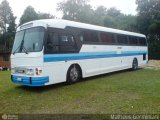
62 24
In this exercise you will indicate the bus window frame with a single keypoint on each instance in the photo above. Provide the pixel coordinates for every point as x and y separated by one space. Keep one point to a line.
59 32
146 44
113 38
76 32
43 41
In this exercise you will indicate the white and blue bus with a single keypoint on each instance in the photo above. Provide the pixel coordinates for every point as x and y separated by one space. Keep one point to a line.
51 51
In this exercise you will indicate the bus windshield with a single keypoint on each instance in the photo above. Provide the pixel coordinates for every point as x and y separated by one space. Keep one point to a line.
29 40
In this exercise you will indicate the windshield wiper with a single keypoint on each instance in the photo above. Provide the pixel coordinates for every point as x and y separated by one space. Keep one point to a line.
25 50
21 47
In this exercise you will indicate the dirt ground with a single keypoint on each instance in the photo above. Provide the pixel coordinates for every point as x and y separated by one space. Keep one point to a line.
153 64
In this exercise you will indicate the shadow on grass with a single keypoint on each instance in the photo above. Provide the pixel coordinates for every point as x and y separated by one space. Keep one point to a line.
41 88
64 84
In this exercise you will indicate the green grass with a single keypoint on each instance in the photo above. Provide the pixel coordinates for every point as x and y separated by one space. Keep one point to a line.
120 92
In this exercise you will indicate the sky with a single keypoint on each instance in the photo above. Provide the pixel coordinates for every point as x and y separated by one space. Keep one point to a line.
49 6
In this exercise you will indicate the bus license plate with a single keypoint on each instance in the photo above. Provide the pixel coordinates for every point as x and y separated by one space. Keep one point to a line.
19 79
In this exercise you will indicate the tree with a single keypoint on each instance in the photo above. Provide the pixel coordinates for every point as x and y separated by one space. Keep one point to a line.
45 16
7 24
113 12
115 19
29 14
110 22
0 38
12 26
6 16
148 22
81 11
99 15
11 30
148 14
77 10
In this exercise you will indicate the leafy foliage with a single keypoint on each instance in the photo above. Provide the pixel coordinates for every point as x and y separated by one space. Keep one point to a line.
7 25
45 16
76 10
80 10
28 15
115 19
148 22
99 15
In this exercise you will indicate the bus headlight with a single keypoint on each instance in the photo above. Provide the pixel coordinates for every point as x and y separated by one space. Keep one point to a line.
30 72
12 70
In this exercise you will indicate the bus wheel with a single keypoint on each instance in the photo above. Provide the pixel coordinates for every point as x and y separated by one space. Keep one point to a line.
135 64
73 74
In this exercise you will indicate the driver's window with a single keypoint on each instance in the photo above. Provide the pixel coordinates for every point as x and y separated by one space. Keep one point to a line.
52 45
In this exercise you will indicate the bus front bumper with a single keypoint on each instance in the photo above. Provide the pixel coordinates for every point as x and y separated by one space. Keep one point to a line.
30 81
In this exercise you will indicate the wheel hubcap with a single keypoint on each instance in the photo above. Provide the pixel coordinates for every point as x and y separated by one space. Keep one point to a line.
135 64
74 74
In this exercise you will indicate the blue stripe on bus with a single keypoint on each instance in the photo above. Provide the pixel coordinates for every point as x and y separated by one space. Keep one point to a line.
88 55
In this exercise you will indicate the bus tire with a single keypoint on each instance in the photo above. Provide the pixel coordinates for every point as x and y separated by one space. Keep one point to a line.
73 74
135 64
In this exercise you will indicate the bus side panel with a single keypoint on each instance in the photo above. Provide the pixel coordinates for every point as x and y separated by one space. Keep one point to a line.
110 64
56 71
94 60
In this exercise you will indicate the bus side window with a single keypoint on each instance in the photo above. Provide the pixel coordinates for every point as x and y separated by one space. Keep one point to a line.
133 40
66 40
122 39
90 36
107 38
52 43
142 41
67 44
